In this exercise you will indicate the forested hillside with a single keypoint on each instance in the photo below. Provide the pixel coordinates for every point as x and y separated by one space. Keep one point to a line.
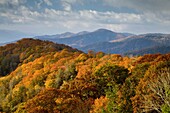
24 51
52 78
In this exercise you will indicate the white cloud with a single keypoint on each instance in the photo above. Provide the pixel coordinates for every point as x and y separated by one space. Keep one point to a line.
22 15
90 19
86 19
39 4
48 2
12 2
15 2
111 17
66 6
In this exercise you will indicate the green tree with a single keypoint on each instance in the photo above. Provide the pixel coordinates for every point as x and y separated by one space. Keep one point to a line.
108 75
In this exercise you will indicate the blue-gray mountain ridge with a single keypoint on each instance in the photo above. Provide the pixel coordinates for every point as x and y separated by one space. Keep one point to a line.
112 42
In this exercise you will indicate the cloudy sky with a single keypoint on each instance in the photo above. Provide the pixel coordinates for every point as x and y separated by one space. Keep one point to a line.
58 16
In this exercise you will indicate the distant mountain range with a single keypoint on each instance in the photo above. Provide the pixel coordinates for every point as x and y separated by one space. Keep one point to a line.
112 42
132 44
83 39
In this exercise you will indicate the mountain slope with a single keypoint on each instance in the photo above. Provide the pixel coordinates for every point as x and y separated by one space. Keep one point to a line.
87 38
151 50
63 35
111 42
25 50
72 82
131 43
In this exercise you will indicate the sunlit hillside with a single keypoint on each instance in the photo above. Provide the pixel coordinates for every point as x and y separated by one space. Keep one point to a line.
44 77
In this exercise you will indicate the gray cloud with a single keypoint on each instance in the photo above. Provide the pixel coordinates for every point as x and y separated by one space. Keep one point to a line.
155 8
145 15
142 5
72 1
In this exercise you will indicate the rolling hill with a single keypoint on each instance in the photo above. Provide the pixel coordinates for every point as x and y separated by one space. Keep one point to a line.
26 50
45 77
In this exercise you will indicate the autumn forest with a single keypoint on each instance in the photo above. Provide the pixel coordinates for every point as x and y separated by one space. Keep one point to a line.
43 77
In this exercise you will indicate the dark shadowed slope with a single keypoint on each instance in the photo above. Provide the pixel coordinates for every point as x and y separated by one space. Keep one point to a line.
131 43
152 50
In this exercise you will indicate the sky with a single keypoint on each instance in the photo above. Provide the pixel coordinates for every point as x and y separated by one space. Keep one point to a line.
42 17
